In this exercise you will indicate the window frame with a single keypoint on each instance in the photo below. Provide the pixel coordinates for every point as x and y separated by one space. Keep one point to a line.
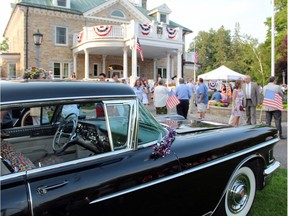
14 75
66 36
98 68
61 70
118 11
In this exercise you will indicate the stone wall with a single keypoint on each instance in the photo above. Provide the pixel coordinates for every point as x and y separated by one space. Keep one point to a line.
226 112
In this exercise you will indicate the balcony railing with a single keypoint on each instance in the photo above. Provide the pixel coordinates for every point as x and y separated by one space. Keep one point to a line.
153 31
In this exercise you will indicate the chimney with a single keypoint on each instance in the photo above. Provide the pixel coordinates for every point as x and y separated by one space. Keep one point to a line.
144 4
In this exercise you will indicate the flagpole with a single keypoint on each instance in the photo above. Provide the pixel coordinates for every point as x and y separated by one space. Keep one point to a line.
194 63
272 41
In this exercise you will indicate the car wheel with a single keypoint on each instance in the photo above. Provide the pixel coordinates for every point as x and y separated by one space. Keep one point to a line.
241 192
26 119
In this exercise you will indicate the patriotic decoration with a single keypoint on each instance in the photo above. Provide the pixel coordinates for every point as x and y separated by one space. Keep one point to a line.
79 37
139 48
195 57
172 32
163 148
172 100
273 100
212 85
145 29
102 30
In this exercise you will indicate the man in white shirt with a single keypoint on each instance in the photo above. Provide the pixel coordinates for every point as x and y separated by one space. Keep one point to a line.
191 84
160 98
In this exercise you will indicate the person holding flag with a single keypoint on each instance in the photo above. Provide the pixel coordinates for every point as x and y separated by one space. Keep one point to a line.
272 104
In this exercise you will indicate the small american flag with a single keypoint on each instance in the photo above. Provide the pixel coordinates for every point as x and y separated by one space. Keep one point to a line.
172 100
139 48
273 100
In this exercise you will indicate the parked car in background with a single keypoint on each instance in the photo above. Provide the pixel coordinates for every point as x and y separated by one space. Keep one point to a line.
95 150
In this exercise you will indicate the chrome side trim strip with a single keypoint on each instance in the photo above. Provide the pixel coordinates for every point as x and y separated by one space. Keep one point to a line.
185 172
272 168
30 200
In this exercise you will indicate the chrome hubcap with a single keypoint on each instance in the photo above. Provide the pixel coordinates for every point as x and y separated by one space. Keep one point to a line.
238 194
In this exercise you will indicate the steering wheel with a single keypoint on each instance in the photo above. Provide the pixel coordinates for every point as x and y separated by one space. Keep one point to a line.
65 133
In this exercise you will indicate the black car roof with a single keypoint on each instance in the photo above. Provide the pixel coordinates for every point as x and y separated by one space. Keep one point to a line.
21 91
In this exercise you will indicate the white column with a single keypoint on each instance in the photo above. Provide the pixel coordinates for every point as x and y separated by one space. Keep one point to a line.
125 63
179 64
104 64
172 67
86 64
133 65
155 70
168 69
75 63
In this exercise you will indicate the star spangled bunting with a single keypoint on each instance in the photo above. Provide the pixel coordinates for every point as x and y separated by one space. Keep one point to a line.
172 100
273 100
139 48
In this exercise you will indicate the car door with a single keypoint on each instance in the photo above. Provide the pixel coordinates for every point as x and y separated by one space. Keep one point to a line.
115 182
14 196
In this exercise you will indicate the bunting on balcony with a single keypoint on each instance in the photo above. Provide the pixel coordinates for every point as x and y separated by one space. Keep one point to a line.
145 29
102 30
79 37
172 32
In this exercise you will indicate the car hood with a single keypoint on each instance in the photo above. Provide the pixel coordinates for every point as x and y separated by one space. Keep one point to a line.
182 125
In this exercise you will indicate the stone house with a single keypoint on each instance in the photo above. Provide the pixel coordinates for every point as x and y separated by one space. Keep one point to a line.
89 37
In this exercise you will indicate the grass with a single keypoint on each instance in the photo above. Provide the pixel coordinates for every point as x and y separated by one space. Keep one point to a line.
272 200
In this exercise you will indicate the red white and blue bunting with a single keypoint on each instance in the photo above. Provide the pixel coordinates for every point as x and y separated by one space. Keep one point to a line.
172 32
212 85
79 37
102 30
145 29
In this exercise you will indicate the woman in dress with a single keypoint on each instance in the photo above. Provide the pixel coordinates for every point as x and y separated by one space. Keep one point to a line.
145 96
138 89
237 102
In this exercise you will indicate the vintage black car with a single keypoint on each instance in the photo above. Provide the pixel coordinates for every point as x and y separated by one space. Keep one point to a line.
93 149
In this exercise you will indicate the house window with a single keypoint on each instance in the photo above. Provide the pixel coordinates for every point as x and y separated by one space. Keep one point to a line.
162 72
95 70
163 18
61 36
138 71
61 70
118 14
61 3
12 71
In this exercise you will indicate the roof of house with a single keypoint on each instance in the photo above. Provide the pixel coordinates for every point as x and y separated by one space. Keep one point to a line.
81 6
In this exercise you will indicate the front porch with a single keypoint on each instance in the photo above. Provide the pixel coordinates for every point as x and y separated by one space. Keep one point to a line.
158 43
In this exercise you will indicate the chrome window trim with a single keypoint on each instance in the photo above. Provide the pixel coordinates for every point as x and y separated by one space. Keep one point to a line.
185 172
73 99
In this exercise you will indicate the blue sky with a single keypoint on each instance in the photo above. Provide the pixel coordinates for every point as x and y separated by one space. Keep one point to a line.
202 15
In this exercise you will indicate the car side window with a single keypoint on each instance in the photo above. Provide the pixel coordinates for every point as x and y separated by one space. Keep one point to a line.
119 120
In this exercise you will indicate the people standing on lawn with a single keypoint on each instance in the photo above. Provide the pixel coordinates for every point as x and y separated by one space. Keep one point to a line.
192 86
251 99
202 98
160 97
183 93
237 103
272 111
145 92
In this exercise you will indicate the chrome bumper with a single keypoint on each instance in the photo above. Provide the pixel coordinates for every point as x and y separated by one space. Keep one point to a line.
269 171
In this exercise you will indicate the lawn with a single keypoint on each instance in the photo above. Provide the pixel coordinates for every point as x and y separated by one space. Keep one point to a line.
272 200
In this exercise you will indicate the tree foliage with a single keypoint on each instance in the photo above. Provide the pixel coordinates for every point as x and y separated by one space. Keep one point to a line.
4 45
243 53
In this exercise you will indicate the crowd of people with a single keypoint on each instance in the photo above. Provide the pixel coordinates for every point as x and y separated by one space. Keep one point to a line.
245 95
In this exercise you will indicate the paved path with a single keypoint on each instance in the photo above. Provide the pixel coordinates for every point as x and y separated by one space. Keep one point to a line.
280 150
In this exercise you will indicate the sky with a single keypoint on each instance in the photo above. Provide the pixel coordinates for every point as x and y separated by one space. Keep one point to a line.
202 15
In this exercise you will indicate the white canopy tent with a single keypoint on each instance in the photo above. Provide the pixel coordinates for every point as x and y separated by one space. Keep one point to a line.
222 73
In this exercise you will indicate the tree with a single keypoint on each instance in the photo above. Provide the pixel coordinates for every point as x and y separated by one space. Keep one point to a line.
4 45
